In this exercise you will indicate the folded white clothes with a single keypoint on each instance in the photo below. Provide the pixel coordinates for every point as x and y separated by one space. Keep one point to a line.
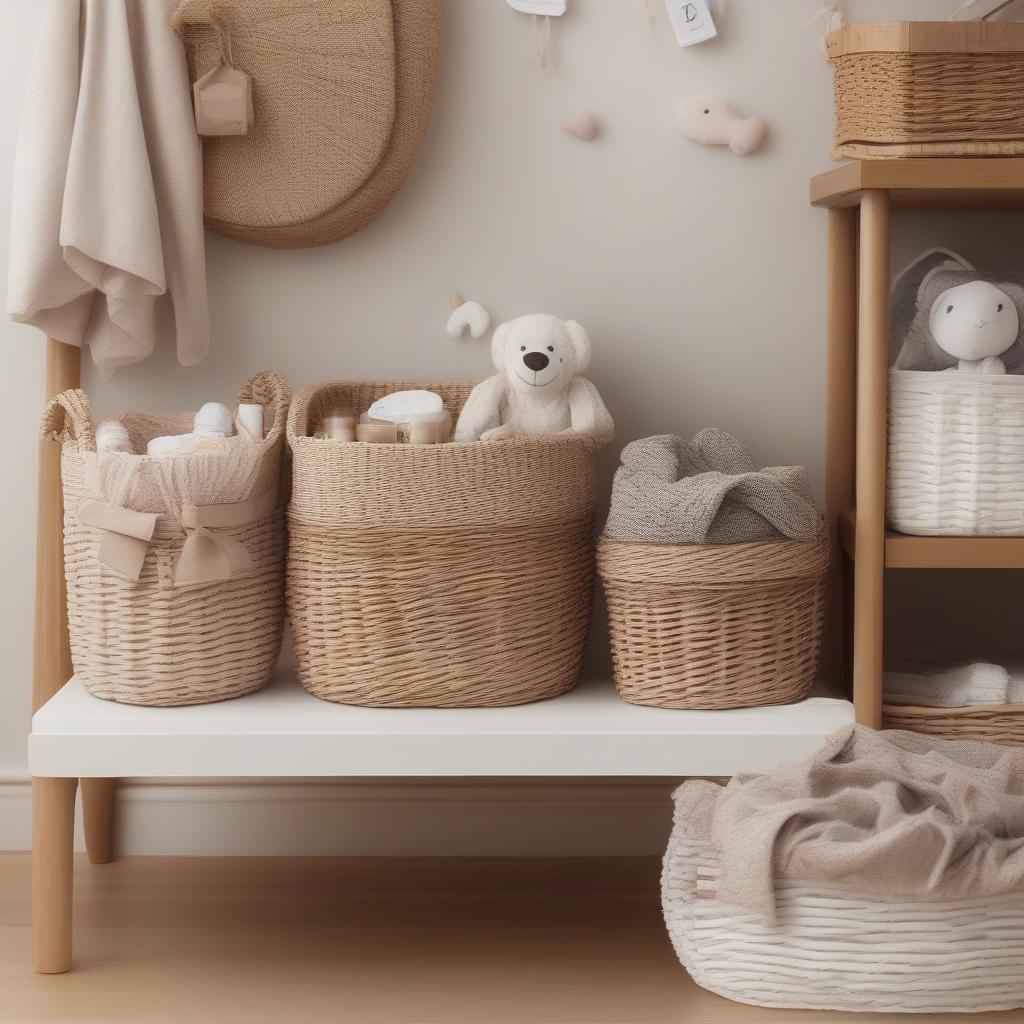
107 208
964 684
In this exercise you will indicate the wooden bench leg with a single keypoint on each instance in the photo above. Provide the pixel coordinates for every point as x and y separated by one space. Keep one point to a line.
53 835
98 818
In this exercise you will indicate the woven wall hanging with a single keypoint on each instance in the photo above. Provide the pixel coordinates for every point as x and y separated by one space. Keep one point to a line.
342 91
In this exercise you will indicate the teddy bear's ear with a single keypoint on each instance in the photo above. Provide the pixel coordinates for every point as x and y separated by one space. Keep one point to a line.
498 346
580 344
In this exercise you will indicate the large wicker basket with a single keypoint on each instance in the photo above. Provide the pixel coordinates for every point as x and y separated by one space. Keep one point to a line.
714 626
448 575
145 634
838 950
997 723
956 454
930 88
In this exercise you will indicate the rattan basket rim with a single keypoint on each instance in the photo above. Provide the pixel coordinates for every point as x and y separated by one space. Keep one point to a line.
712 565
919 711
920 37
298 424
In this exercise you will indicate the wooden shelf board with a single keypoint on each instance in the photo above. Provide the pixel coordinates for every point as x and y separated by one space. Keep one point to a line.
283 731
963 183
905 552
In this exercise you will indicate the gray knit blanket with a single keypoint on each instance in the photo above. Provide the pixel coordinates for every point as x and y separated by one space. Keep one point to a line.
708 491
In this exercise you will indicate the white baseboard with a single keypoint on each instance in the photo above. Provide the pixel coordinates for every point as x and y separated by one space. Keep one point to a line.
373 818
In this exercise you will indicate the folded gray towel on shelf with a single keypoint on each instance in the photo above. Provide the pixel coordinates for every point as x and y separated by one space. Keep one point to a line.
708 491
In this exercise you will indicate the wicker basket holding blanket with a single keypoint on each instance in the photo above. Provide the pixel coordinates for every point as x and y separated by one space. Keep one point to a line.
714 571
884 873
174 566
437 575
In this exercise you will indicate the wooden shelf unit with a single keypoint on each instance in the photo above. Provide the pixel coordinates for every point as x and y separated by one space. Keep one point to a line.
906 552
860 197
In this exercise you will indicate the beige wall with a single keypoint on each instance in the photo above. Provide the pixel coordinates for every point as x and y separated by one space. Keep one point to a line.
699 275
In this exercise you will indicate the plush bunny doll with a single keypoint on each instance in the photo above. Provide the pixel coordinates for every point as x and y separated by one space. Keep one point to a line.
961 320
976 322
538 391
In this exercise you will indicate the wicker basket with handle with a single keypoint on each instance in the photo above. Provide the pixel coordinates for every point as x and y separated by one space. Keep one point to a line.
714 626
929 88
446 575
174 566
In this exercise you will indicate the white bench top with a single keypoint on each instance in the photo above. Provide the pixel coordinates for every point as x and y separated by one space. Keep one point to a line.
284 731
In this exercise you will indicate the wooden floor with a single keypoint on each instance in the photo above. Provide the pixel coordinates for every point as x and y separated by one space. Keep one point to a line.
351 941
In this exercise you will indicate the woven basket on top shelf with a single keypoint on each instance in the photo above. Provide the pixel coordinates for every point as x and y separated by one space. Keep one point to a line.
145 633
447 575
999 723
714 626
929 88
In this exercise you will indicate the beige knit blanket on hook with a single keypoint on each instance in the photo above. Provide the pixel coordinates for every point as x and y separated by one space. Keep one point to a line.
887 813
107 208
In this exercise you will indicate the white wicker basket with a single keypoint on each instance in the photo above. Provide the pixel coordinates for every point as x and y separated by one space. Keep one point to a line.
956 454
841 951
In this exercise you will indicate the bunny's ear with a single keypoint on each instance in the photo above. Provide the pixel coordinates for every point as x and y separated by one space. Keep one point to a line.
498 339
580 344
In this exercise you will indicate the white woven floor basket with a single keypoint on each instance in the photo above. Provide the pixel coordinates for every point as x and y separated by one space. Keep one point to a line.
956 454
839 951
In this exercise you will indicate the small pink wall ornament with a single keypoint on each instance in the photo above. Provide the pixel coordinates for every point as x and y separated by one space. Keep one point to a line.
712 122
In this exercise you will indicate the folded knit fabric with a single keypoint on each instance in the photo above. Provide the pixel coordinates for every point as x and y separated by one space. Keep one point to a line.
967 684
708 491
887 813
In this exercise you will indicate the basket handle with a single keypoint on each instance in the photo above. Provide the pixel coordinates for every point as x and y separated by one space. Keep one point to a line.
272 390
298 415
68 419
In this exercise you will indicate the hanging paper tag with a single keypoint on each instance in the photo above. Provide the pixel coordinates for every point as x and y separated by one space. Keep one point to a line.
691 20
548 8
223 102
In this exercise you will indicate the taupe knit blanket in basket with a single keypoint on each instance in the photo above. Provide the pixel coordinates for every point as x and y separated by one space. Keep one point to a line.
708 491
887 813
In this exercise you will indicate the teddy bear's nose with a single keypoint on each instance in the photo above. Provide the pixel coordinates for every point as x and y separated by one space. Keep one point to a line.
536 360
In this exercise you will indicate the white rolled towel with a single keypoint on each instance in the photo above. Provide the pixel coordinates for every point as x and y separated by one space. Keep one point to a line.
950 686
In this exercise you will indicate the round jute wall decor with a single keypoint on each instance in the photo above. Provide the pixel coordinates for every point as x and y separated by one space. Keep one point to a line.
342 91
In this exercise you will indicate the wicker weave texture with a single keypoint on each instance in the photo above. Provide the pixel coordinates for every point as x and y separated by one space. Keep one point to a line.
149 641
994 724
710 627
447 575
842 951
342 90
956 454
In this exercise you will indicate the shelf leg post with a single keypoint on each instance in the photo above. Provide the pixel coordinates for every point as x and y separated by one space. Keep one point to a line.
98 818
51 667
872 381
53 832
840 421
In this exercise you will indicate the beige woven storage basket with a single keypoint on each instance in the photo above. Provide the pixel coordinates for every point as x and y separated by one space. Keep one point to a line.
837 950
714 626
992 723
928 88
144 630
447 575
956 454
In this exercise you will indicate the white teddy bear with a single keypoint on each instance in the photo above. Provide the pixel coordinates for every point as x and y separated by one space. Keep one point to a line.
539 391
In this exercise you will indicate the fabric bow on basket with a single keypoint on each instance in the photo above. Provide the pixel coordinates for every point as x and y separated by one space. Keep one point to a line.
208 556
